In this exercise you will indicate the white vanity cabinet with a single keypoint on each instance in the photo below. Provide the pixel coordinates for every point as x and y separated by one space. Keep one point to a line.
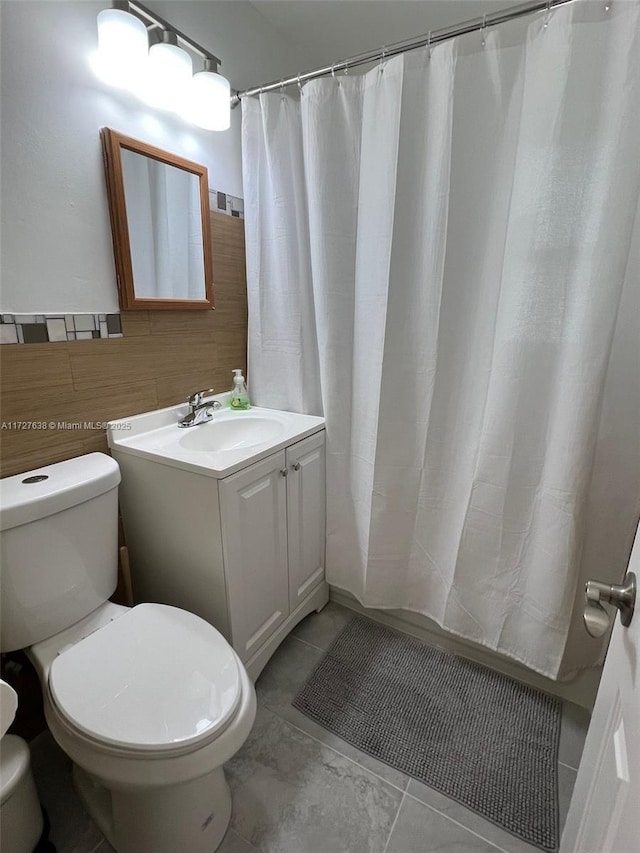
245 552
306 525
273 523
253 510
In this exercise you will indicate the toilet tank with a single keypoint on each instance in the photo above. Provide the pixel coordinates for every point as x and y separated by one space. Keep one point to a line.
58 547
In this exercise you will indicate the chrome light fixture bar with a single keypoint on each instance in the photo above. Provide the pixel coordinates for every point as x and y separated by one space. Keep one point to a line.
162 74
150 19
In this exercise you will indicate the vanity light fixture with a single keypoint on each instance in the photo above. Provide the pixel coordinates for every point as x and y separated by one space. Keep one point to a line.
169 71
160 75
208 99
123 47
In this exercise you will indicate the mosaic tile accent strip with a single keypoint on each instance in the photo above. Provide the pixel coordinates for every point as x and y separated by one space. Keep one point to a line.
47 328
224 203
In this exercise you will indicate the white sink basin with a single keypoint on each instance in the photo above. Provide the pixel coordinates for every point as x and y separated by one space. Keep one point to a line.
221 435
218 448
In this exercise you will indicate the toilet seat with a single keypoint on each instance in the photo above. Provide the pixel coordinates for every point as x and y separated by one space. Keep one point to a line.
158 680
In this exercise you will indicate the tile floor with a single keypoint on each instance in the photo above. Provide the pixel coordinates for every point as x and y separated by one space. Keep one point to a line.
297 788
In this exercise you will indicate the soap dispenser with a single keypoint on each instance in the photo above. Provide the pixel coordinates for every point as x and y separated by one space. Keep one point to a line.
239 395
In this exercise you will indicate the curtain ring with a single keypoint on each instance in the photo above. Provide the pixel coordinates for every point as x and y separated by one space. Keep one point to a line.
346 68
483 30
429 45
282 98
382 58
299 84
333 73
547 15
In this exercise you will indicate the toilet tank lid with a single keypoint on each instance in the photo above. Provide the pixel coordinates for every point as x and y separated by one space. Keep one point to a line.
36 494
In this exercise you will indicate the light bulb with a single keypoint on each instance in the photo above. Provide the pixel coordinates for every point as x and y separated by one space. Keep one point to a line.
208 102
168 75
122 48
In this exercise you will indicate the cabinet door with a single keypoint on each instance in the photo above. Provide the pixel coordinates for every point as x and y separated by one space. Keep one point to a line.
253 507
305 516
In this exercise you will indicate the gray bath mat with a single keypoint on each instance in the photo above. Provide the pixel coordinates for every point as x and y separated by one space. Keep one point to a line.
473 734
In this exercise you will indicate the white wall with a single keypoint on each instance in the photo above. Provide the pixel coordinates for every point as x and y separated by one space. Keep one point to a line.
56 253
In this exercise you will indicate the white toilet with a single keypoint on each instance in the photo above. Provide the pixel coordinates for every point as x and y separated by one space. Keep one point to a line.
148 702
20 814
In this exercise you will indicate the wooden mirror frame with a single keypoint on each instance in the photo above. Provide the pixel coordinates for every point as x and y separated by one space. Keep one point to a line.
112 144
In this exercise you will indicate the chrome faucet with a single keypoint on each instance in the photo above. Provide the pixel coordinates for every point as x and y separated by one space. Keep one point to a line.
201 410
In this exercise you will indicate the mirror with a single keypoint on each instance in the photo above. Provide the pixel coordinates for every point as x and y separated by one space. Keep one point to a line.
159 210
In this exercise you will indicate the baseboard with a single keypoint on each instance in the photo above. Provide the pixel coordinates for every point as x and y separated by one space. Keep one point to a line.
581 690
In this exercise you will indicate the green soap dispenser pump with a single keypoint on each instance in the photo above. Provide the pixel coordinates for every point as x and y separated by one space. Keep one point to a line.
239 395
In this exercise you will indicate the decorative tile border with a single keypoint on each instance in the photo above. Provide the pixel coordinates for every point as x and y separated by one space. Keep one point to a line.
45 328
221 202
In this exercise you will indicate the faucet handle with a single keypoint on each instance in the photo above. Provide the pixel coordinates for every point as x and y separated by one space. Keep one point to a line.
196 399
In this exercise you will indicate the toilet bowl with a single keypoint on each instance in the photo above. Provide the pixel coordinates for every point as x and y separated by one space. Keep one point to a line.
148 702
20 814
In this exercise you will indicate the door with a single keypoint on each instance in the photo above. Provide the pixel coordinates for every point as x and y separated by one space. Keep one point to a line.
306 527
603 816
253 508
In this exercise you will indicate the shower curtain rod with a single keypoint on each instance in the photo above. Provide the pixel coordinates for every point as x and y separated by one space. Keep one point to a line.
434 37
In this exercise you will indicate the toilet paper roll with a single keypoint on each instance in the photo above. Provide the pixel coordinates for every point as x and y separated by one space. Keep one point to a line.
8 706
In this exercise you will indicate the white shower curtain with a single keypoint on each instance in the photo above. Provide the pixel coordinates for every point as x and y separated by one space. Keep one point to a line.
441 258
